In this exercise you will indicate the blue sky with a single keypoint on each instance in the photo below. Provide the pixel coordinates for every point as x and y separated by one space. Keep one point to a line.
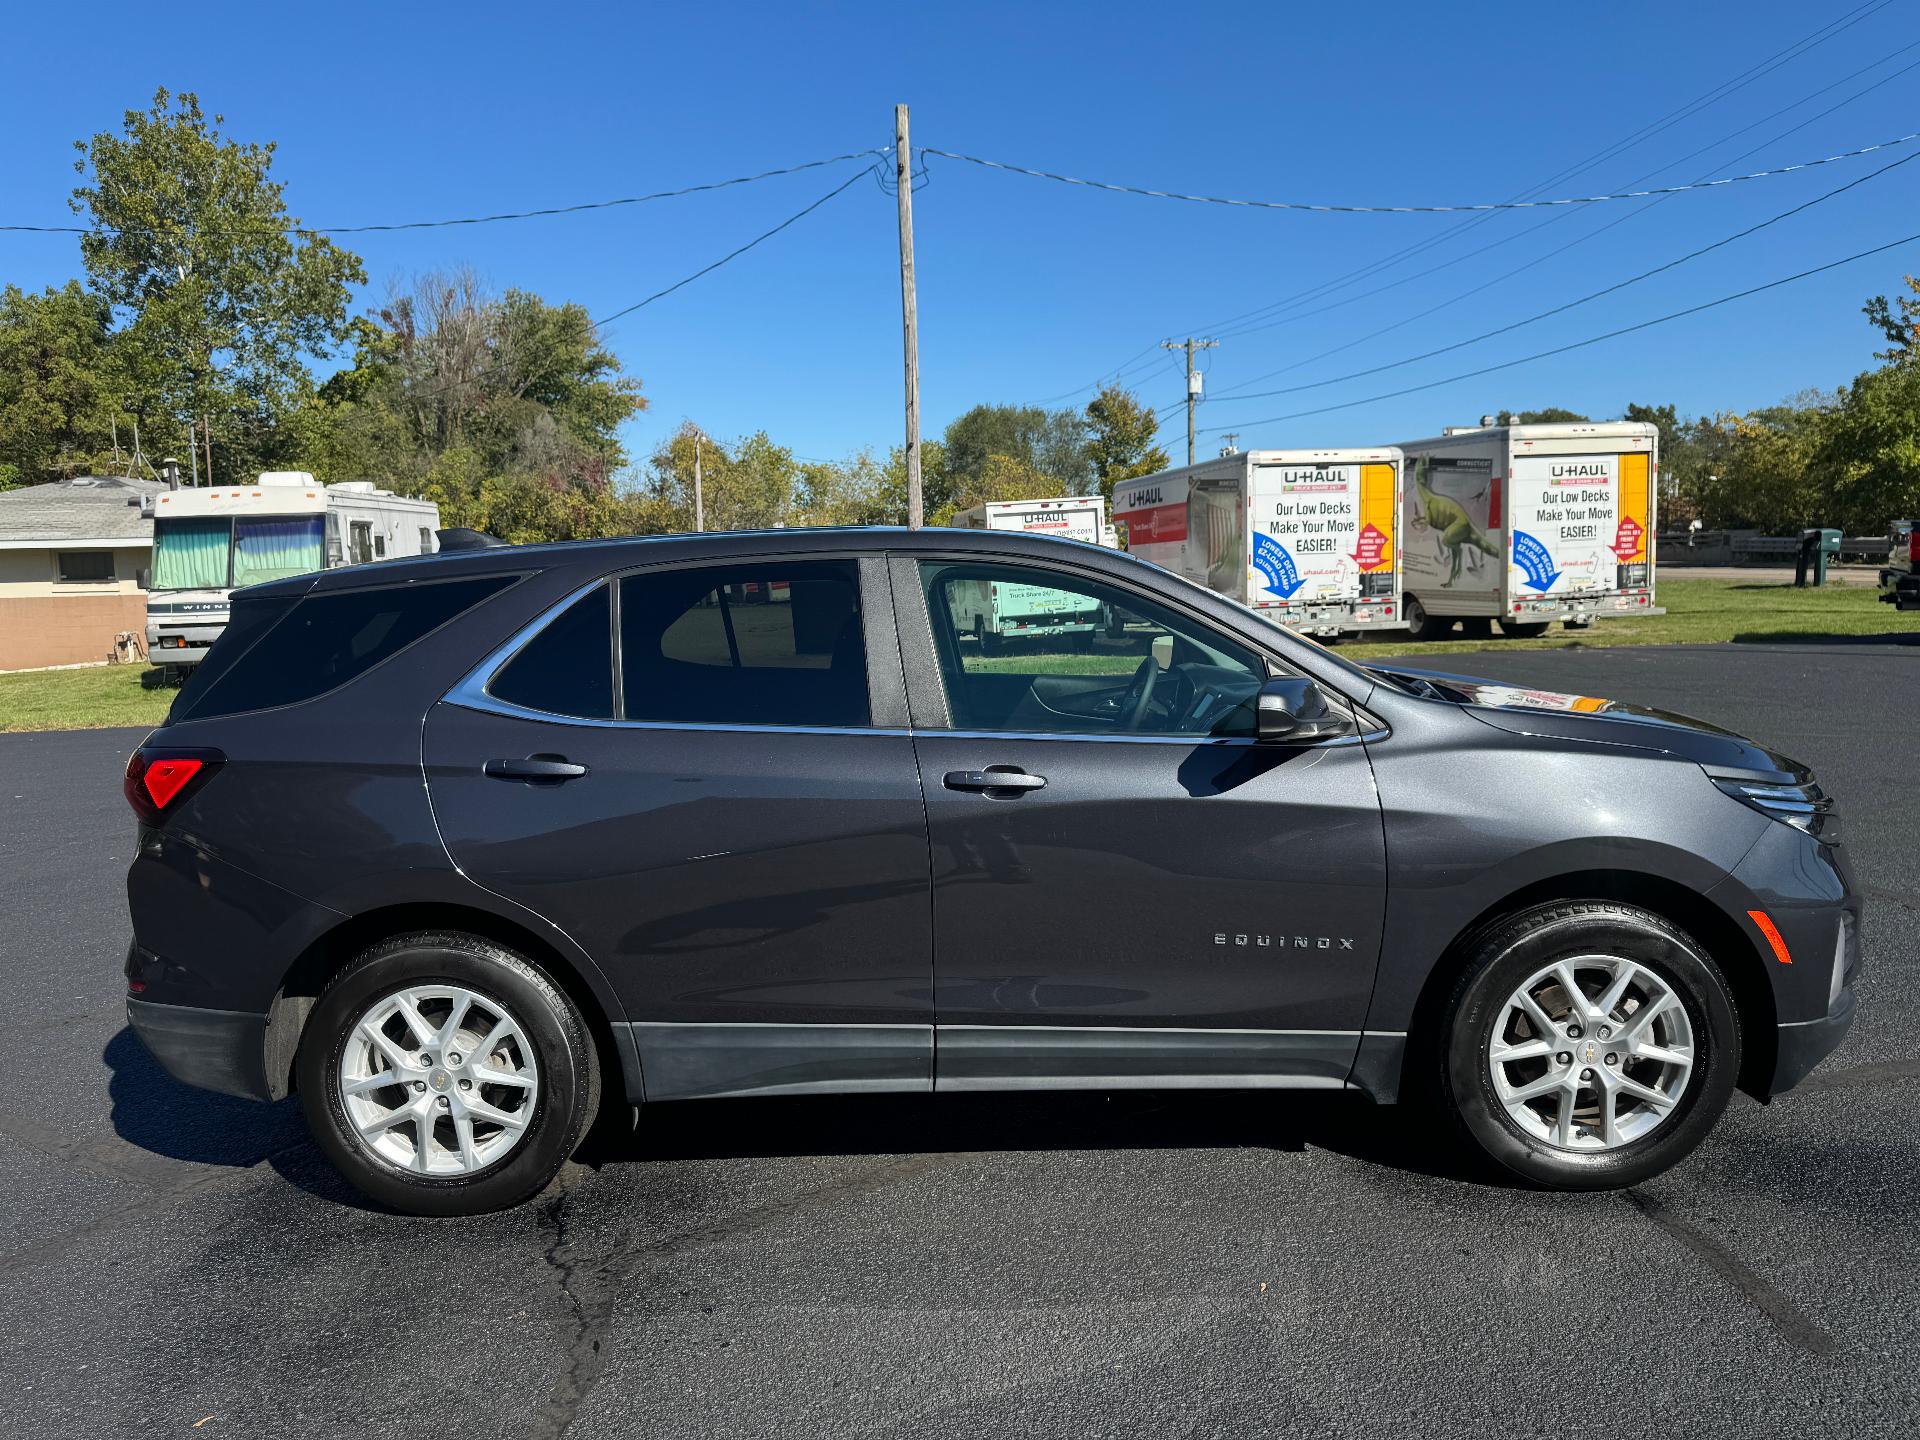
1029 289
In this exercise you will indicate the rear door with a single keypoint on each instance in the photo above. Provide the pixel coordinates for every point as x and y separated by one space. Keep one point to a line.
703 775
1127 889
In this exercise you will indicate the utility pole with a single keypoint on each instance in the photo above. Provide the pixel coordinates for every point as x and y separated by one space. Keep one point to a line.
1193 379
909 312
699 494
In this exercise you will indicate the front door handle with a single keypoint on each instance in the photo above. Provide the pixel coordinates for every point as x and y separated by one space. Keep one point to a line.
991 780
550 769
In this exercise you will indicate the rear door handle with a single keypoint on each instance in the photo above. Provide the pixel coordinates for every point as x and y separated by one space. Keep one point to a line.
993 780
549 768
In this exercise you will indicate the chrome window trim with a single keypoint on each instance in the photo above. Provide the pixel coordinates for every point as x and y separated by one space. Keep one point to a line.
471 693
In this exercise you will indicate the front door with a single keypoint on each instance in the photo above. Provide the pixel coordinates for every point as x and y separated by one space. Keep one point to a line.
1128 890
685 769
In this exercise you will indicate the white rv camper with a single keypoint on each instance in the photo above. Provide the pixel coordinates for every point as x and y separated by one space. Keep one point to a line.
208 542
1305 537
1528 524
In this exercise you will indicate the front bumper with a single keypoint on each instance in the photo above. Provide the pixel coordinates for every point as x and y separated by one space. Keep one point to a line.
223 1050
1804 1044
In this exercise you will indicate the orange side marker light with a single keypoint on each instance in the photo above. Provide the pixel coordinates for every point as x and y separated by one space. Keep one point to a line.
1772 932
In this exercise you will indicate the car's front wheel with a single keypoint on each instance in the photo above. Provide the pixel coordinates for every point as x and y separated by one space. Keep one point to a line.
1588 1045
445 1075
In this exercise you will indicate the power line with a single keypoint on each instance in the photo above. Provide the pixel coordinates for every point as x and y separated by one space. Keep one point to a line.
1422 209
1584 299
1553 220
1666 122
1243 425
574 209
733 254
1798 48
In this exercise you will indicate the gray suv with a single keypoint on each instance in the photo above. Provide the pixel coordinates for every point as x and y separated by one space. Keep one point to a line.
456 847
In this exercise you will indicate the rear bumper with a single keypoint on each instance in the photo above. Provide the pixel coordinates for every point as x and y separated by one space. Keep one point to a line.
223 1050
1804 1044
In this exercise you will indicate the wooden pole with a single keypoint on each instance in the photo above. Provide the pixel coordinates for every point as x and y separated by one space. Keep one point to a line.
699 494
909 313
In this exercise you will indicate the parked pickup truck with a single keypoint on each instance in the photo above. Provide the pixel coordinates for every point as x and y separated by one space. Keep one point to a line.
1900 576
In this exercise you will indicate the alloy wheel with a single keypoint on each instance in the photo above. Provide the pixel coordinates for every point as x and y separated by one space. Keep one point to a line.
1592 1053
439 1080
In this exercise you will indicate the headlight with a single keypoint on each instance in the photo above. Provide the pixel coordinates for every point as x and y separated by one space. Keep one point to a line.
1804 806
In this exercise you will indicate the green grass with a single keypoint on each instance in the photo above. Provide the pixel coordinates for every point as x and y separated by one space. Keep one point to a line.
82 699
1699 612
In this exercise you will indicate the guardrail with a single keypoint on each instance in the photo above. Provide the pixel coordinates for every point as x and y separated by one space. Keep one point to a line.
1750 547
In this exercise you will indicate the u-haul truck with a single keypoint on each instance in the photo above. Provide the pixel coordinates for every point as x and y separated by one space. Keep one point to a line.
1305 537
993 612
1528 524
1072 517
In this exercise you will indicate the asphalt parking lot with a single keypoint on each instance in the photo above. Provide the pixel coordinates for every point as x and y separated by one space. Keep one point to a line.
1141 1264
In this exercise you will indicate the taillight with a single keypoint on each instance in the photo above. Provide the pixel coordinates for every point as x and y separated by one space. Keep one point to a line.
1913 547
157 779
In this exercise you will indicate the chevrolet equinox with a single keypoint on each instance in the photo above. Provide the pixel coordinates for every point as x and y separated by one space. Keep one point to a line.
449 846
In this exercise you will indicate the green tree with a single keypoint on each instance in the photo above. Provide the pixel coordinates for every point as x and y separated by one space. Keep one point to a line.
1552 415
1121 444
58 397
1871 456
1899 320
1049 442
224 300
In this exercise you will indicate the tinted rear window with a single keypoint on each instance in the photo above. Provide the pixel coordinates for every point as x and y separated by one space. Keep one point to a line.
778 643
567 669
325 641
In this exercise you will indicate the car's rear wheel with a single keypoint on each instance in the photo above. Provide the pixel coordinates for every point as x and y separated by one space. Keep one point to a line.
445 1075
1588 1045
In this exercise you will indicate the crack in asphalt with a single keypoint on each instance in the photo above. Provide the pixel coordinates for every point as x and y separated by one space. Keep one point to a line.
1793 1324
592 1286
1878 1072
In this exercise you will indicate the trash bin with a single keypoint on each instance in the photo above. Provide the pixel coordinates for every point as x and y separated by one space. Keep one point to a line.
1817 549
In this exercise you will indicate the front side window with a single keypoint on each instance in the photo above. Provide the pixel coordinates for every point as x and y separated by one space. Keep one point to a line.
272 547
755 644
1037 651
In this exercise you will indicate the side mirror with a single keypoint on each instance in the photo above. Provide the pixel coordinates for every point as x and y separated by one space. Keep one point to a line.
1291 710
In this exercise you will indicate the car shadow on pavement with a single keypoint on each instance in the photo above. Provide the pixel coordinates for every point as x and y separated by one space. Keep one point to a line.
1394 1137
152 1110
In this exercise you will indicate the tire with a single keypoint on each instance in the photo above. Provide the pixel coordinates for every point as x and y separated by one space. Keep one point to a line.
991 643
548 1061
1421 625
1648 1138
1523 630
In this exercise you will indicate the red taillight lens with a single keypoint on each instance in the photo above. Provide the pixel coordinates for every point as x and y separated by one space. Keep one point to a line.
157 778
1913 547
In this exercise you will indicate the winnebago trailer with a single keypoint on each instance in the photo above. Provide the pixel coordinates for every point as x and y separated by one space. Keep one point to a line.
210 542
1528 524
1305 537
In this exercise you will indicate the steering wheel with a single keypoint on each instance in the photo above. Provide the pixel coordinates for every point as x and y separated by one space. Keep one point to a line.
1140 692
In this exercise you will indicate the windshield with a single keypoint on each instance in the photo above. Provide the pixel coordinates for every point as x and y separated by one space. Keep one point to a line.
191 554
272 547
214 553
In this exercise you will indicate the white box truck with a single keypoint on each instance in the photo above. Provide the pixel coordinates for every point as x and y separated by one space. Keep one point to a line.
993 613
1305 537
1528 524
210 541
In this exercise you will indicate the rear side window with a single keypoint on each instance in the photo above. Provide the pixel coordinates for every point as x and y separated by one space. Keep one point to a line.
324 641
567 669
771 644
